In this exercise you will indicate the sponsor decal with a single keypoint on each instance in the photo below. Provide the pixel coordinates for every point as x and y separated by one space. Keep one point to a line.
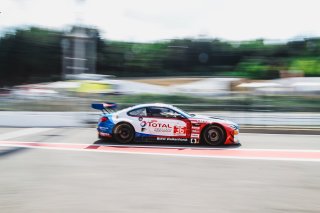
103 128
179 130
198 121
171 139
104 134
165 127
156 124
195 135
143 124
159 127
195 127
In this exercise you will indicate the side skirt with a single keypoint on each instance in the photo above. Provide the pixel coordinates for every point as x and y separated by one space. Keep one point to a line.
162 139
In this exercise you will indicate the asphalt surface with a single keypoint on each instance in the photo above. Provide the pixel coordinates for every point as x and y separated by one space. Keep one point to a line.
55 175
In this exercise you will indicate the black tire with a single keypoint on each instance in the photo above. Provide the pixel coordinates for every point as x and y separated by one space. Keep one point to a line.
123 133
213 135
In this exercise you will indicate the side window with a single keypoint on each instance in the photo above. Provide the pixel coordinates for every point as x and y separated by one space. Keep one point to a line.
138 112
162 112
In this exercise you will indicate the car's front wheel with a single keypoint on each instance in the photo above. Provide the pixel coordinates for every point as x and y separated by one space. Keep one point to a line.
123 133
213 135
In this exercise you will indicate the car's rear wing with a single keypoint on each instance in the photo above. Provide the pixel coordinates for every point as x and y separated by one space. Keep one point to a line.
106 107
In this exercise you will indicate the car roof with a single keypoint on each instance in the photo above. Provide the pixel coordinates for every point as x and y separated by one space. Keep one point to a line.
152 105
155 105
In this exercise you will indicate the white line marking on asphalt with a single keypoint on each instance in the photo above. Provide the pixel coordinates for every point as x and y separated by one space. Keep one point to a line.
281 150
22 132
183 147
206 148
166 154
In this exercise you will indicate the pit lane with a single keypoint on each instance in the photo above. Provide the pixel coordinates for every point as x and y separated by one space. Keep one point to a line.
57 179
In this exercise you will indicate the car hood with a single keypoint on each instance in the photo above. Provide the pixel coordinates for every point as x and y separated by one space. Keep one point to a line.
214 119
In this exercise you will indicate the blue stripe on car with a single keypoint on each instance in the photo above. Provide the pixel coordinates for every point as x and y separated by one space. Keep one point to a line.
139 134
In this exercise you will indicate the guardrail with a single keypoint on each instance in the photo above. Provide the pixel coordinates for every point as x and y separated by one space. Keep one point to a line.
80 119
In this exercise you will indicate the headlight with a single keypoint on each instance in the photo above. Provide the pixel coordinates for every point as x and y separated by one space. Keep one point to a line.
234 126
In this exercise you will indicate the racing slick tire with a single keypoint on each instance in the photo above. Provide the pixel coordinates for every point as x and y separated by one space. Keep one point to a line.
213 135
123 133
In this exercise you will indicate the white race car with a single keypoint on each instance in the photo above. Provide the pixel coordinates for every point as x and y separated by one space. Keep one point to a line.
163 122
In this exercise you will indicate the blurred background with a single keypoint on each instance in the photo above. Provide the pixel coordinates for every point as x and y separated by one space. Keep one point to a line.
254 62
247 61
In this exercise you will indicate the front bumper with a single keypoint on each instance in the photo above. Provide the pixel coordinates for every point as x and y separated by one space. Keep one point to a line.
236 137
233 137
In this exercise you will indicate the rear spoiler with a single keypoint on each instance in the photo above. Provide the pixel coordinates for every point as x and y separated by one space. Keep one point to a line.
104 107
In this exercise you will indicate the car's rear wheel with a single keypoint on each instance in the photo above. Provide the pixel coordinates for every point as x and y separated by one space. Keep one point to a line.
213 135
123 133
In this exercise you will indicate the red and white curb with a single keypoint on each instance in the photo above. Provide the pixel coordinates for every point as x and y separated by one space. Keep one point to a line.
230 153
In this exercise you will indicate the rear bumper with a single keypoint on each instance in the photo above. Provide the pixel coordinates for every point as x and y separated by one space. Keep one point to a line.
104 135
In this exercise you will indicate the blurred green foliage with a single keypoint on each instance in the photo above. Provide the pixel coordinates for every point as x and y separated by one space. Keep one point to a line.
245 102
30 55
310 66
297 103
34 55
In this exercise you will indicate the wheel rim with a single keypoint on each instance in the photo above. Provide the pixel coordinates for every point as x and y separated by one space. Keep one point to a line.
124 133
213 135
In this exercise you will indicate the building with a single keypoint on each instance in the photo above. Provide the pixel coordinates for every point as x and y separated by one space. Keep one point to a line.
79 47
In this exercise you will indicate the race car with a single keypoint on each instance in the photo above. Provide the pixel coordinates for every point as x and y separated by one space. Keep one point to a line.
163 122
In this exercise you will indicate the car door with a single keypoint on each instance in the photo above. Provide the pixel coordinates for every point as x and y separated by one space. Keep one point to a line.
138 120
166 122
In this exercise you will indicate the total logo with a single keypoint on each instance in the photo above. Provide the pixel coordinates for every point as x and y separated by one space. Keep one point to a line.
155 123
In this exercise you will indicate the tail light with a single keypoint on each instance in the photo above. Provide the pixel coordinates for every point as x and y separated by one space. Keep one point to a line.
103 119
